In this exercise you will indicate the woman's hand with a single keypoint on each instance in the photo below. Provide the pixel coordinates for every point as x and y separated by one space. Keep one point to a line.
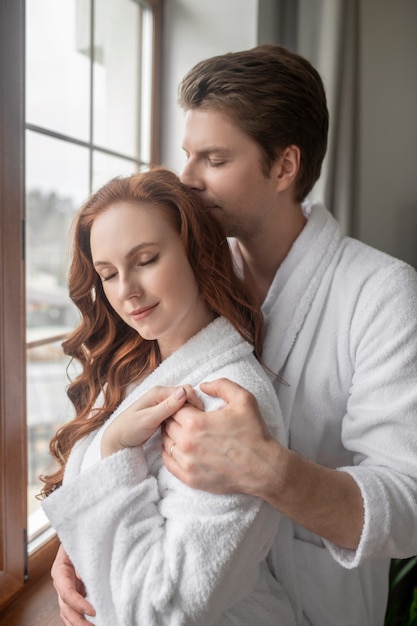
138 422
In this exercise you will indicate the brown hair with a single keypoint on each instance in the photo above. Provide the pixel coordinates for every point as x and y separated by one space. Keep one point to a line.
111 353
274 96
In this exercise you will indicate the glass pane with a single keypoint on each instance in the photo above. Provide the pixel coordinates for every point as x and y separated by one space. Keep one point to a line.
57 183
58 66
48 408
106 167
116 76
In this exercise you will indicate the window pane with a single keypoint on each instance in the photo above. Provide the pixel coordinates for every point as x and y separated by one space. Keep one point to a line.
117 76
57 183
106 167
58 66
59 166
48 408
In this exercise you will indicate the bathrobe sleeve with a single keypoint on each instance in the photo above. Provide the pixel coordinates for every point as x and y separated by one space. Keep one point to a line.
176 560
157 551
380 424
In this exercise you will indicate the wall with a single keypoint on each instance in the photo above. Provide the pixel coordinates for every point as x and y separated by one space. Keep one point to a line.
387 194
194 30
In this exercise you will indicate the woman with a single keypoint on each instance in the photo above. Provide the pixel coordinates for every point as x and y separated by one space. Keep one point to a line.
162 312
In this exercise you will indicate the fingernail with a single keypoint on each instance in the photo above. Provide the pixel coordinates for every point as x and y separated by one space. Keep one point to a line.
180 393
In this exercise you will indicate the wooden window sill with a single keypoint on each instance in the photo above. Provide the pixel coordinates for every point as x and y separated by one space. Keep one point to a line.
38 606
37 603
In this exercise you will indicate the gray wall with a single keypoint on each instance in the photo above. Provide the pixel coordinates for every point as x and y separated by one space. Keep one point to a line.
387 193
386 208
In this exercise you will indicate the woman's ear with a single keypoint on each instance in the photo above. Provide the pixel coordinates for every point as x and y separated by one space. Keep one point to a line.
286 167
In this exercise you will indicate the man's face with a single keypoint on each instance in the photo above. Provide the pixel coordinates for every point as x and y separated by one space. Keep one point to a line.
224 166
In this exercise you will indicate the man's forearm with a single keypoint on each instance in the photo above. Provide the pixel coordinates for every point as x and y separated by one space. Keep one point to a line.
325 501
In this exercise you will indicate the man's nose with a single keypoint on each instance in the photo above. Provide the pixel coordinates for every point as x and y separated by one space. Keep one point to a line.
191 177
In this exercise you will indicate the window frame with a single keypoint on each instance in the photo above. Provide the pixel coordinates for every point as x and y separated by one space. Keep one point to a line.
12 302
18 570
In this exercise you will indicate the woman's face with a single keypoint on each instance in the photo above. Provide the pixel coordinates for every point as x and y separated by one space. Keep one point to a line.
146 274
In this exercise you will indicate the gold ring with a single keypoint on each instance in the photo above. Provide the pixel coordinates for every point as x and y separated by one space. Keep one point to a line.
171 450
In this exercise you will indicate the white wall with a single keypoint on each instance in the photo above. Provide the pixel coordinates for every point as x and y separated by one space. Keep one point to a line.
194 30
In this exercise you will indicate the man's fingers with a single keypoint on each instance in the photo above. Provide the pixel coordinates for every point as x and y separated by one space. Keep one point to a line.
173 425
193 398
168 446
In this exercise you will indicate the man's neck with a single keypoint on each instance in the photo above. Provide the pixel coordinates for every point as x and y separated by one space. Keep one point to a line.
262 256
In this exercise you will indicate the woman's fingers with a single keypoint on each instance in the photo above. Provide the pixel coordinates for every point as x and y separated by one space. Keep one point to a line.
137 423
170 395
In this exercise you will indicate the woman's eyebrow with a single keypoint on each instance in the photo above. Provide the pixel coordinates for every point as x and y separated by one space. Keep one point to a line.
132 252
140 246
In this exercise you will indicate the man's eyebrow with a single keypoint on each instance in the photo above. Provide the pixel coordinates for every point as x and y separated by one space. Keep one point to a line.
212 150
132 252
216 149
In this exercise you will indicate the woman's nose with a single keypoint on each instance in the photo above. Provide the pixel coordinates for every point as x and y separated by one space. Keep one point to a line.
129 286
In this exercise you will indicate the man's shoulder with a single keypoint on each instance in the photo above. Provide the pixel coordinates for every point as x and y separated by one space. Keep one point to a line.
352 252
363 273
364 260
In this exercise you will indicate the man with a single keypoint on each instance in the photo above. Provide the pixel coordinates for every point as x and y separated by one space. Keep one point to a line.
341 327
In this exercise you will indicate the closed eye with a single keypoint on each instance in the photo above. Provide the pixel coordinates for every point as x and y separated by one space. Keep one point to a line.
106 278
152 260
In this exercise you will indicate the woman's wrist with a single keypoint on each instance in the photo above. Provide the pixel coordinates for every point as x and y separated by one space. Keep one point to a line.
109 443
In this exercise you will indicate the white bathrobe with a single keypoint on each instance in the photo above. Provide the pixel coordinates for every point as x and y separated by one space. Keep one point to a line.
150 550
342 331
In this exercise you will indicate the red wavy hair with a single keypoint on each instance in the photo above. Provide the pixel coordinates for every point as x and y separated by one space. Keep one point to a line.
113 355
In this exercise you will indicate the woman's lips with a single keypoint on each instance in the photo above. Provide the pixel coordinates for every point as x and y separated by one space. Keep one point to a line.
139 314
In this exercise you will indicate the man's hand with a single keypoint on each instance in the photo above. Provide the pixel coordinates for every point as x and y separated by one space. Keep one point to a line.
219 451
70 589
230 451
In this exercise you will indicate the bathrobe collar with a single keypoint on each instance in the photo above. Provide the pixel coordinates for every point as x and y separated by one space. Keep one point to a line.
296 283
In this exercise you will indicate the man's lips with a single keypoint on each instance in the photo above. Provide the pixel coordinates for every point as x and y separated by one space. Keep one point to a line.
139 314
209 203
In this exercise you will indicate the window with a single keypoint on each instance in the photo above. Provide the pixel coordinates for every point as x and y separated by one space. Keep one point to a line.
77 107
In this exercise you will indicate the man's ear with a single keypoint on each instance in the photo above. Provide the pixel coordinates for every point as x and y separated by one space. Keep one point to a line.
286 167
